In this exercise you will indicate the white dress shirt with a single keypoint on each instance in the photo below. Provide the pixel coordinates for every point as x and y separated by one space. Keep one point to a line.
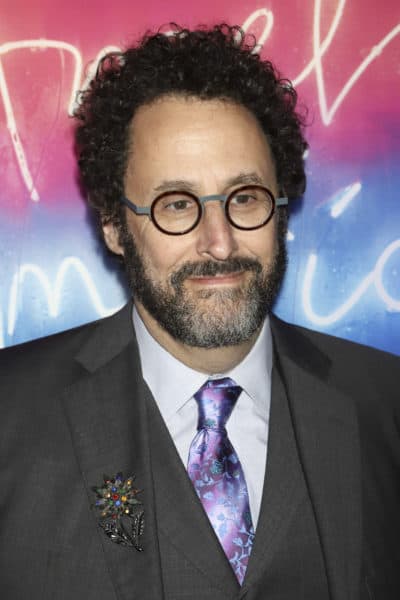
173 385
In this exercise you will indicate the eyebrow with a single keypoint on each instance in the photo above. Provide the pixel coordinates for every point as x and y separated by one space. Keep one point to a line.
175 184
251 178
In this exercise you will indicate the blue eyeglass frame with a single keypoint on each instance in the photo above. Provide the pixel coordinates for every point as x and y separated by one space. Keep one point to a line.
201 200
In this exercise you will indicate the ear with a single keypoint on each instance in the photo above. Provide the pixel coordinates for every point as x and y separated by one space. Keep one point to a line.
111 237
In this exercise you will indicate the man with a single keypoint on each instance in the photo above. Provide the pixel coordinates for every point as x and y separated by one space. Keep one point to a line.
264 457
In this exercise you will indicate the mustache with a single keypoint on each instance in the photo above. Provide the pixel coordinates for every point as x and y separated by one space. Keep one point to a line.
211 268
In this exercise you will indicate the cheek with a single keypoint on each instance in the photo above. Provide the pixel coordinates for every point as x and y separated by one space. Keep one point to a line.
264 243
161 254
148 242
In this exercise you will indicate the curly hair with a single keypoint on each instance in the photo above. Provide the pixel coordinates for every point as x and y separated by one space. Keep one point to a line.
217 63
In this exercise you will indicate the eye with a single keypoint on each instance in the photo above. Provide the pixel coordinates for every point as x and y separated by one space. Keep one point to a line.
176 203
179 205
244 199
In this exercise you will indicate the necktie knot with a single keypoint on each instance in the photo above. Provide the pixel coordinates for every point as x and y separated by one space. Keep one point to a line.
216 399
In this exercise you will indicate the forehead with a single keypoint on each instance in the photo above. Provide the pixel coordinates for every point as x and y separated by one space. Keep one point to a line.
190 139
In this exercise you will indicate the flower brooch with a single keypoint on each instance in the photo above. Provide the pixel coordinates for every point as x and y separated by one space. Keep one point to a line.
121 513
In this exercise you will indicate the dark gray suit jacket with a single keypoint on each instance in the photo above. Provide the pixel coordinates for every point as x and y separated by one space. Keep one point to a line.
75 406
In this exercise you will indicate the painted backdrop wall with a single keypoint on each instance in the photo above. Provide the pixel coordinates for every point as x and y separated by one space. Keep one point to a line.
344 241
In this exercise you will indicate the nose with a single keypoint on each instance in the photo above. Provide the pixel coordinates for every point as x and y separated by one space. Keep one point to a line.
216 236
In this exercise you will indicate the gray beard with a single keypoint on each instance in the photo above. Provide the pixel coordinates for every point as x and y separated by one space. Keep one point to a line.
231 317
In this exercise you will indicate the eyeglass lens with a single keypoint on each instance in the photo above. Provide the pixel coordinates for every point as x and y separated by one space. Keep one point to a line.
247 208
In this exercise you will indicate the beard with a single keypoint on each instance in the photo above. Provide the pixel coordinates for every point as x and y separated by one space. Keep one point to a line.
208 318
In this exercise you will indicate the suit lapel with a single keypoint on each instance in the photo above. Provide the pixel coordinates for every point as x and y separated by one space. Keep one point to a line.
326 428
107 419
179 513
283 485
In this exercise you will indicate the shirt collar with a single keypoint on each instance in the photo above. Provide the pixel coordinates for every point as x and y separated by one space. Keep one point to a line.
173 383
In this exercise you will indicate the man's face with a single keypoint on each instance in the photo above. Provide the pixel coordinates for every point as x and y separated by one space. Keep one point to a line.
213 286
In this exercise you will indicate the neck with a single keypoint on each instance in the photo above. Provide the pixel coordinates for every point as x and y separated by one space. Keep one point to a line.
205 360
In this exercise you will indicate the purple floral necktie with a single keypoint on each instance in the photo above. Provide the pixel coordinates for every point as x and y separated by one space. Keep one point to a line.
217 474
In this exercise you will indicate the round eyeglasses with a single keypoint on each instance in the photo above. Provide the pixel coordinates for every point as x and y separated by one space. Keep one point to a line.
178 212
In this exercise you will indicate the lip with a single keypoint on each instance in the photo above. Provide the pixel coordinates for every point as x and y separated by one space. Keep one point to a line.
219 279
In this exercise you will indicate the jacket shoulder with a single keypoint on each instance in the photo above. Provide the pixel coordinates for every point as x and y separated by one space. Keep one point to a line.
361 371
44 364
336 349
